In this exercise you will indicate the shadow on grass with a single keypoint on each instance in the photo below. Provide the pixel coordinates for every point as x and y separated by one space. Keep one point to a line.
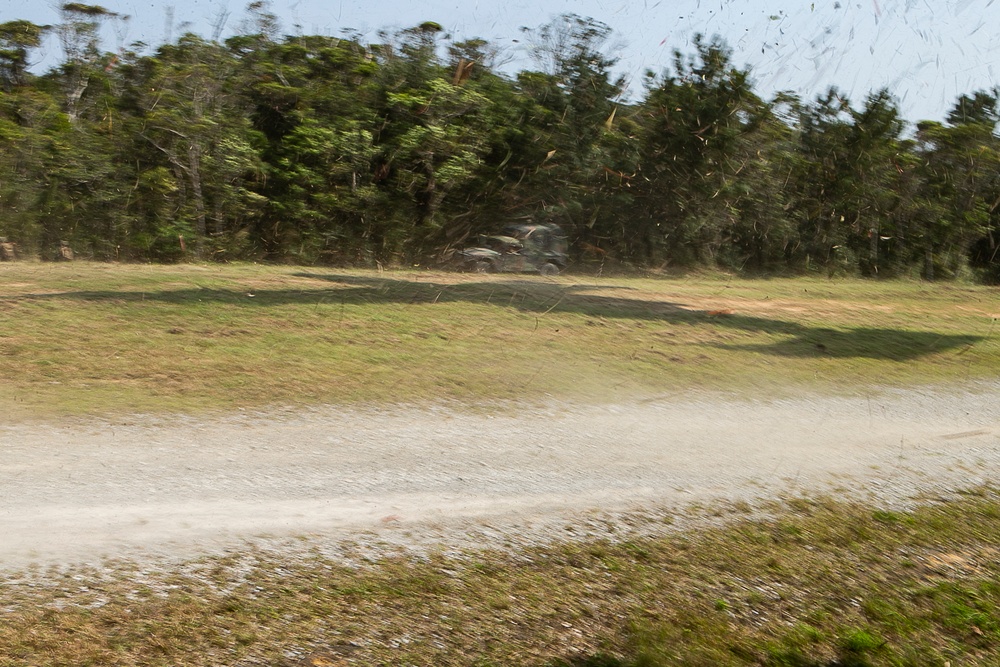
542 297
592 661
788 660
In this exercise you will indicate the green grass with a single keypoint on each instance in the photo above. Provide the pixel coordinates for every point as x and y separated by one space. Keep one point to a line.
819 583
94 338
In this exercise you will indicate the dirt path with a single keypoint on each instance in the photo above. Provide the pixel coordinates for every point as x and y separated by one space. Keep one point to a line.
178 487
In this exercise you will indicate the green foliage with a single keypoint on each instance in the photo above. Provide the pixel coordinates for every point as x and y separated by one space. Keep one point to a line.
321 149
16 39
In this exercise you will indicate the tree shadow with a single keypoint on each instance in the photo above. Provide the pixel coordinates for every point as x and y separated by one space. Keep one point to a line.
542 297
861 342
787 659
597 660
601 660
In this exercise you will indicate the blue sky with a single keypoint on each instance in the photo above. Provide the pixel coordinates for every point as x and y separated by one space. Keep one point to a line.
926 52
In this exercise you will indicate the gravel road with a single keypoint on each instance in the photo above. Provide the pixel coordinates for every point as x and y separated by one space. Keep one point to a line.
181 486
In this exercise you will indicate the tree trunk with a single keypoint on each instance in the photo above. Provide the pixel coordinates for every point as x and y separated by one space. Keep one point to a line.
194 173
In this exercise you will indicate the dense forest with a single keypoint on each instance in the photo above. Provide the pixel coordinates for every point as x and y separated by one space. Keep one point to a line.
318 149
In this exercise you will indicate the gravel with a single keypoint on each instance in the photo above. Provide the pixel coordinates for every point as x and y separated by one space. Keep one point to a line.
448 477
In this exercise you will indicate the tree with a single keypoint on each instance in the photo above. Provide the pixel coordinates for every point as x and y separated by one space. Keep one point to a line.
697 124
17 38
312 102
961 172
433 135
571 140
79 35
192 118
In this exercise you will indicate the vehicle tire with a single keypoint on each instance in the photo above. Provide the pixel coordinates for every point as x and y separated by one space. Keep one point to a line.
482 266
548 269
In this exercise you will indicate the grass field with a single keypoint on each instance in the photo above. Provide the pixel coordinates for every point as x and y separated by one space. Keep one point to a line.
96 338
805 583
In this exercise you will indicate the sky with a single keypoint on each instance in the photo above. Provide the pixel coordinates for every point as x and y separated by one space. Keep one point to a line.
926 52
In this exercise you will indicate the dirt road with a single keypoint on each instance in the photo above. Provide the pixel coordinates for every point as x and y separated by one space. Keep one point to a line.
180 486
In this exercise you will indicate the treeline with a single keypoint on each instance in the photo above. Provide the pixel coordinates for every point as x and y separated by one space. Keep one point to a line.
324 149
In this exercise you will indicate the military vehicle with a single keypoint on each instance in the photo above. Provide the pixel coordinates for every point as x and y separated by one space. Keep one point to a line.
520 248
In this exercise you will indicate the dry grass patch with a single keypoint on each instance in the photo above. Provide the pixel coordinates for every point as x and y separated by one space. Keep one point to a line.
93 338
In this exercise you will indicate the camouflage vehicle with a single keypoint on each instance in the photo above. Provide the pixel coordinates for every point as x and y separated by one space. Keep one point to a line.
519 249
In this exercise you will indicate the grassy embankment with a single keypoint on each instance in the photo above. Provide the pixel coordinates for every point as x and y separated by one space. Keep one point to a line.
96 339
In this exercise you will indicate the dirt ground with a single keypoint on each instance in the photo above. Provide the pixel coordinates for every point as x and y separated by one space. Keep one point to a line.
177 487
